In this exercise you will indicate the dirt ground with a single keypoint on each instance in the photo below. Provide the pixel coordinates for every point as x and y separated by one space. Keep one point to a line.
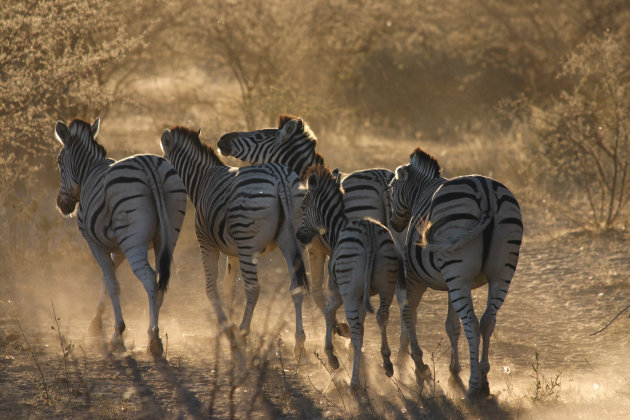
568 285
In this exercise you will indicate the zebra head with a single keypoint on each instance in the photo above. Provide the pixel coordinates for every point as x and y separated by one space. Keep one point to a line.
76 156
292 144
407 185
322 206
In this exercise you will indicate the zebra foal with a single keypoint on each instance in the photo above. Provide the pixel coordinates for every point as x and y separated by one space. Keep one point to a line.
293 144
363 262
243 213
124 207
462 233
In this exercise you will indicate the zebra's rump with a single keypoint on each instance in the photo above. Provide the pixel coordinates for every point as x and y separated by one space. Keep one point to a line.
119 207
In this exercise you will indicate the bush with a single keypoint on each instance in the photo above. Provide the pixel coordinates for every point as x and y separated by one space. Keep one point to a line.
52 60
584 143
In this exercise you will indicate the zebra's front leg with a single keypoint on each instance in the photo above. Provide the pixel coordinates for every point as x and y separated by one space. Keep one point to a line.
113 289
382 317
334 302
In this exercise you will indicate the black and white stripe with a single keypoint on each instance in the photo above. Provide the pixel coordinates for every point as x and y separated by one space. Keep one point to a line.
363 262
243 213
293 144
462 233
124 207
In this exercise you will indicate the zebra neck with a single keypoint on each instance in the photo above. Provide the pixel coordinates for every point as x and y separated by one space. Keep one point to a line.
96 168
192 174
421 196
300 165
335 225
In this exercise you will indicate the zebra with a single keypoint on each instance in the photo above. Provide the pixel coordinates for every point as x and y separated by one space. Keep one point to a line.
293 144
243 213
462 233
364 261
124 207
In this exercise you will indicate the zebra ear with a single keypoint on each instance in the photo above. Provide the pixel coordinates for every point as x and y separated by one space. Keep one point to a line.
96 126
290 127
62 134
313 182
401 173
199 132
337 175
166 142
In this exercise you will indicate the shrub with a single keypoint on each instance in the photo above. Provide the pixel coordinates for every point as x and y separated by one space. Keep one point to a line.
584 143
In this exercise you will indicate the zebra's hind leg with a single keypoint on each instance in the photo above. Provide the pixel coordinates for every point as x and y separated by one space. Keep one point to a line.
113 289
403 350
96 325
252 290
317 262
382 316
461 297
334 302
355 314
139 263
453 330
231 269
409 314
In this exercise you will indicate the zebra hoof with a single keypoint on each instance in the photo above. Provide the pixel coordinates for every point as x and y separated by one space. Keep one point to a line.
117 344
96 327
155 347
342 329
389 368
478 393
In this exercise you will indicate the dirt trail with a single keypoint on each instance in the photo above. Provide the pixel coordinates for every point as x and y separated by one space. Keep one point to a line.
567 286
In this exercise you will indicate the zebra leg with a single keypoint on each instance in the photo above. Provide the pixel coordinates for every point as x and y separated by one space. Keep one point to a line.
249 271
96 325
113 289
231 268
355 314
460 296
403 350
334 302
210 258
317 262
139 263
497 291
409 314
453 330
382 316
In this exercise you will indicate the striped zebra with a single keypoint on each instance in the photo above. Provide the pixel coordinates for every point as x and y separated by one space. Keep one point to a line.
364 261
293 144
243 213
462 233
124 208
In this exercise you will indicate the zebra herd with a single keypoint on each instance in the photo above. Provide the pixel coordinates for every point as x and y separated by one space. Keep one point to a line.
386 233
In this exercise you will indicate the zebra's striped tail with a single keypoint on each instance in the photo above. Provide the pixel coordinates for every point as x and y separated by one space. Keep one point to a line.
165 251
430 243
368 271
296 257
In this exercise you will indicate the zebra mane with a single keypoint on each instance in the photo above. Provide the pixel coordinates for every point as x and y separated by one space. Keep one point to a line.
308 133
189 140
81 131
326 177
424 163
